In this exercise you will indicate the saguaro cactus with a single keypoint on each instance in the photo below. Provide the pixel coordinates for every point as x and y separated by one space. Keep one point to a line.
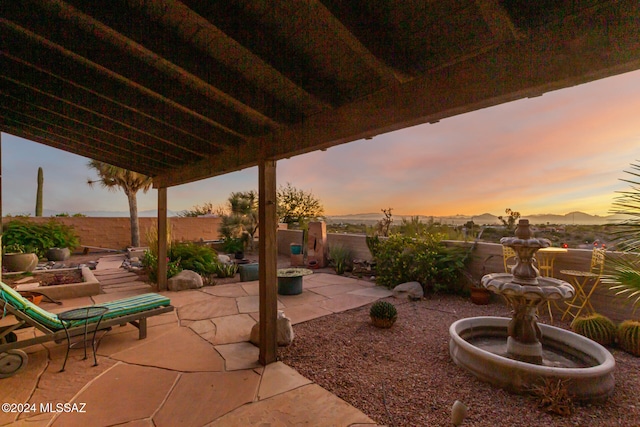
39 193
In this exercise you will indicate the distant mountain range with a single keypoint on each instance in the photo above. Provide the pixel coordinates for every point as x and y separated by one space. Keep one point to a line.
578 218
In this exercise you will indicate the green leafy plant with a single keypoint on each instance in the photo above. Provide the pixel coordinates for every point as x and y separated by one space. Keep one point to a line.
150 263
373 243
38 238
223 270
595 327
199 258
340 258
383 314
232 245
15 248
423 259
629 336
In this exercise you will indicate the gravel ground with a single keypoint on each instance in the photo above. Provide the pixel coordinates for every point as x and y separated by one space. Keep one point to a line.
404 376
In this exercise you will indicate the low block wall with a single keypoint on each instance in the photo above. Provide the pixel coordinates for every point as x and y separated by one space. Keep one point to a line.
487 258
115 233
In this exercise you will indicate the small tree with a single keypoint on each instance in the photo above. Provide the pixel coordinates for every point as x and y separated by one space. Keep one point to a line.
295 205
204 209
510 222
112 178
242 220
383 226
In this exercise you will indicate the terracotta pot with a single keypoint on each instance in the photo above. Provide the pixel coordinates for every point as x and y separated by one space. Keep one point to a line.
480 296
20 262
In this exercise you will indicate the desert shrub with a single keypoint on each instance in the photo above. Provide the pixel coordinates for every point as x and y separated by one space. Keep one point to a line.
340 258
38 238
150 263
198 258
423 259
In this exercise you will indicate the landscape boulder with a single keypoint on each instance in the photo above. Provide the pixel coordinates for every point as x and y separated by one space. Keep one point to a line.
284 334
413 291
186 279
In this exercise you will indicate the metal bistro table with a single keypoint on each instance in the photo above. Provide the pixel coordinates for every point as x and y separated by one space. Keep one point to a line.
86 314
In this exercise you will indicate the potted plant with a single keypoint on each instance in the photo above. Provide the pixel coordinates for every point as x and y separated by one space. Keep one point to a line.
18 258
290 280
62 238
479 294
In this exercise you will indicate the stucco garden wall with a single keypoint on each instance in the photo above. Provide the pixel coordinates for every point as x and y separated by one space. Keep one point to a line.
115 233
487 258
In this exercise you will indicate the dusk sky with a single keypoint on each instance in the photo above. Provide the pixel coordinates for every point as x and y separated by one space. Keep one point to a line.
564 151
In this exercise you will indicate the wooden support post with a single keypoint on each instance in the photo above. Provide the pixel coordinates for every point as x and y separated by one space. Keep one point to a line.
268 250
162 238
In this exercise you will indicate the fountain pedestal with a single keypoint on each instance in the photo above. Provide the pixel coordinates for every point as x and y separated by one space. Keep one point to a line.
526 291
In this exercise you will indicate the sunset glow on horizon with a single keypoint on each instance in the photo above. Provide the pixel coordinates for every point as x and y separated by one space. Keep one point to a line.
562 152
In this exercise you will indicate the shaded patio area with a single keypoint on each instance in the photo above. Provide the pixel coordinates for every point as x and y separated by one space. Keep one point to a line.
195 368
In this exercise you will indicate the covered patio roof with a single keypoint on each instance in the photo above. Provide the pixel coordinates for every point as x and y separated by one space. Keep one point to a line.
185 90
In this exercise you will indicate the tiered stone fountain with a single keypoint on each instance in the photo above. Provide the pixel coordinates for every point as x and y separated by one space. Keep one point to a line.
517 353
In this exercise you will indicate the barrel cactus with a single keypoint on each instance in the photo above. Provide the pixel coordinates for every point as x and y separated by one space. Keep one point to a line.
629 336
595 327
383 314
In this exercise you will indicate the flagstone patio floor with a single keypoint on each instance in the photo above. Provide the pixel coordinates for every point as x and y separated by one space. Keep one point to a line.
195 368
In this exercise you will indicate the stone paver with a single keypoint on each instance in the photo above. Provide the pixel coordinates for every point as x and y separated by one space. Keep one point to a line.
231 329
279 378
195 367
237 356
232 290
124 393
331 290
17 389
305 312
332 279
307 405
251 304
188 352
208 307
217 394
306 297
251 288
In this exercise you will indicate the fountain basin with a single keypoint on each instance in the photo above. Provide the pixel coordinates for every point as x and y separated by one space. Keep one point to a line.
592 382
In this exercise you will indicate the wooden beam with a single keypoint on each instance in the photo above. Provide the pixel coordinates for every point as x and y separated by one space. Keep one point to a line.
513 70
268 263
162 239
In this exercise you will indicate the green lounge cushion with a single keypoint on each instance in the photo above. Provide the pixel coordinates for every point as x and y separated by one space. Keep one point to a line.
117 308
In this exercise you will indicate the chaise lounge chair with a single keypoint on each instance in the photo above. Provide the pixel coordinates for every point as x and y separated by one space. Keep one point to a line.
134 310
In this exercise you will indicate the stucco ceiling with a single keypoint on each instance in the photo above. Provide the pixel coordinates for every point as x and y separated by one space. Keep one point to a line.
184 90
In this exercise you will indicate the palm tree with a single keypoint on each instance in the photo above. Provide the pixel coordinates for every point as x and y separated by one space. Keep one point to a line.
112 178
